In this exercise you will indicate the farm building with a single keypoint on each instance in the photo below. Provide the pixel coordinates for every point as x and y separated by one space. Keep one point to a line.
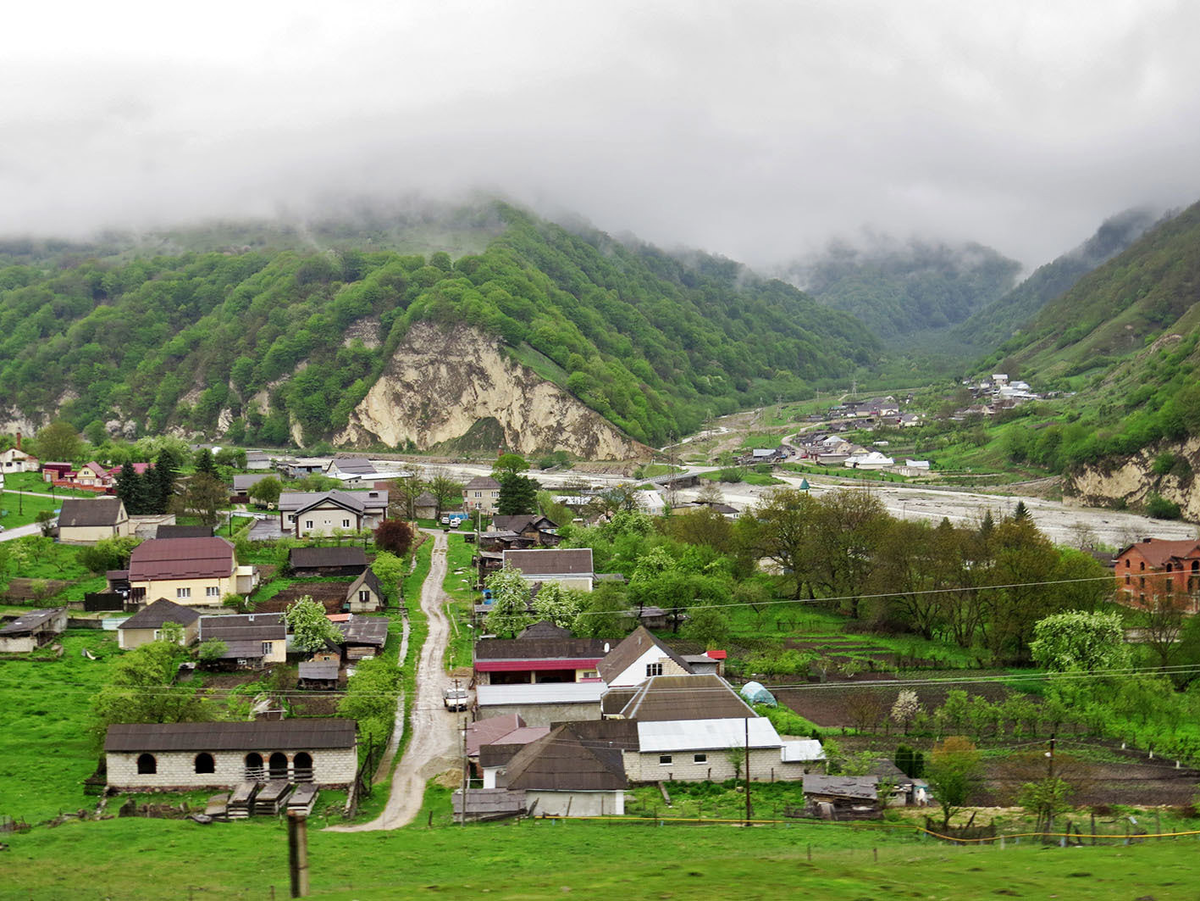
88 520
146 625
327 561
251 639
569 568
30 631
543 703
573 771
189 756
365 594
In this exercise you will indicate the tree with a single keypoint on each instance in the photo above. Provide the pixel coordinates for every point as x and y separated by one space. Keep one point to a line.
910 762
559 605
108 553
404 492
509 464
1080 642
708 625
954 772
782 531
205 462
209 652
311 628
622 498
133 491
203 496
390 570
160 481
510 602
518 494
395 536
605 613
141 689
45 520
235 458
1046 798
445 490
266 491
905 709
371 697
59 442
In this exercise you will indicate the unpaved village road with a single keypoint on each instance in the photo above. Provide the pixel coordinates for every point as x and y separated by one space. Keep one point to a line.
434 734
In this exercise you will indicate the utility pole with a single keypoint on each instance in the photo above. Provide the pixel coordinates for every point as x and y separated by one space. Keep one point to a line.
462 818
747 767
298 853
1049 778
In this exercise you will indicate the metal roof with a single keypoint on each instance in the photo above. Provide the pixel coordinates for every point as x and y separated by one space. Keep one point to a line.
540 693
539 648
705 735
565 761
551 562
157 614
83 512
369 630
859 788
181 558
27 622
244 627
297 734
311 557
802 751
686 698
319 669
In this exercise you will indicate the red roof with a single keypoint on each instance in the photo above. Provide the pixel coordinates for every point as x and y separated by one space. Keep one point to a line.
181 558
717 655
1158 551
510 666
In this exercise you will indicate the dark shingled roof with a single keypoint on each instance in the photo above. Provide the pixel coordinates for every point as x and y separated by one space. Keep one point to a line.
28 622
82 512
244 627
628 651
859 788
481 483
368 630
555 562
566 760
664 698
613 701
162 611
425 499
500 752
181 558
539 648
520 522
183 532
319 669
544 629
299 734
315 557
369 580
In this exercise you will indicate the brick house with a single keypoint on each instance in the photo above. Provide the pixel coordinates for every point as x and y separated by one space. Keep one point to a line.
1156 569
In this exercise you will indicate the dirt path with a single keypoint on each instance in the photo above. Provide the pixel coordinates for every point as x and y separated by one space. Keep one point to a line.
432 747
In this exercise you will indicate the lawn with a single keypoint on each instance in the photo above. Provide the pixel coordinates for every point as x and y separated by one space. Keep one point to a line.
44 714
459 586
535 859
33 481
22 509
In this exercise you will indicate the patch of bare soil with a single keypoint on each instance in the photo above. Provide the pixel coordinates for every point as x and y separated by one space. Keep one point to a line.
331 594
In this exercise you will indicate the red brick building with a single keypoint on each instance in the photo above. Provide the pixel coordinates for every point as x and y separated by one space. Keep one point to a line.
1155 569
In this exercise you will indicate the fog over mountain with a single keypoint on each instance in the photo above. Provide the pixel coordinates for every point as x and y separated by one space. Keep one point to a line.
757 130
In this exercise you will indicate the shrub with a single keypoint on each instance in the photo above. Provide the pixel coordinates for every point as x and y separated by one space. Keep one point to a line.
1159 507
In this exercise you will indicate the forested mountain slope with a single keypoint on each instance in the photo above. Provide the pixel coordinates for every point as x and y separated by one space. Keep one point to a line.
999 320
262 343
899 289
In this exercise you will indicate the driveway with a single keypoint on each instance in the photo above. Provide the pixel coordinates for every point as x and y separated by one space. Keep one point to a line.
433 747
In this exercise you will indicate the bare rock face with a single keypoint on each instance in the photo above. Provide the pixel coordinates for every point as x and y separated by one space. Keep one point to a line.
1134 480
443 381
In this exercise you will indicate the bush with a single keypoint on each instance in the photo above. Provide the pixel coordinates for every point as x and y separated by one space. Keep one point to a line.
731 474
1159 507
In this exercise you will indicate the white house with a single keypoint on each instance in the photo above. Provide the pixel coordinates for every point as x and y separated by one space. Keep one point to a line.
15 460
873 460
637 658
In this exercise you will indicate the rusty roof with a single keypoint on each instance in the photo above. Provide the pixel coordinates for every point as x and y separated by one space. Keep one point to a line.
181 558
297 734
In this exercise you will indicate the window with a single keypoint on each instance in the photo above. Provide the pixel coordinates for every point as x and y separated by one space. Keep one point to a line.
267 648
183 592
212 592
653 669
292 518
205 763
1170 585
699 758
1127 564
1142 582
277 767
477 494
147 765
1142 565
345 523
308 524
1128 578
364 596
664 759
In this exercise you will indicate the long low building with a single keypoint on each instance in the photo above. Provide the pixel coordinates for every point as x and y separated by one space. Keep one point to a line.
189 756
541 703
703 750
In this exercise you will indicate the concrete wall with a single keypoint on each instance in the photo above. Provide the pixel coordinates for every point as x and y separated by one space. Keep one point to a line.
22 644
128 639
86 535
765 765
544 714
325 520
371 605
576 804
177 769
168 588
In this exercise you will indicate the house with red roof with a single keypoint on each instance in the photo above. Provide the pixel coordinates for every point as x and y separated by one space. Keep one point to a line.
1155 570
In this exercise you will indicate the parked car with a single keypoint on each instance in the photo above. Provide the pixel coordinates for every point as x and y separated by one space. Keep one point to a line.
455 698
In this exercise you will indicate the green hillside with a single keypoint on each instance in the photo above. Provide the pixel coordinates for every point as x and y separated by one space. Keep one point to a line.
1125 338
999 320
653 342
901 290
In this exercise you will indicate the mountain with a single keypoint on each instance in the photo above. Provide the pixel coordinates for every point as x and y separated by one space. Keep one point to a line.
999 320
282 334
899 289
1125 339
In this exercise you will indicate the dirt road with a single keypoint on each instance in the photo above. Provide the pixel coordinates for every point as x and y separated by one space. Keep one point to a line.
433 745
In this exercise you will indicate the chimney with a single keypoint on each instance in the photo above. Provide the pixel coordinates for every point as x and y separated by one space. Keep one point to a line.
18 439
1147 540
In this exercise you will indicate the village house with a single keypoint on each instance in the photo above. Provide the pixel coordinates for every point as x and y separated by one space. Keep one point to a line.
242 483
539 531
481 493
317 675
194 572
15 460
147 624
324 514
639 657
298 468
575 770
365 594
56 473
350 470
845 797
191 756
89 520
425 506
327 561
492 759
362 636
257 460
1156 570
542 653
32 630
541 703
569 568
251 639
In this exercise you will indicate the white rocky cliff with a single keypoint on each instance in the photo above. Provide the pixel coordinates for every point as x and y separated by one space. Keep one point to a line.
444 382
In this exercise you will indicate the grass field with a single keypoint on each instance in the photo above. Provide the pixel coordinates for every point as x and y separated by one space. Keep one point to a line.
459 585
532 860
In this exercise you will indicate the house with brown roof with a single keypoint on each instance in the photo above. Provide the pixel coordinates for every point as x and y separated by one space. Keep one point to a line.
250 639
190 756
570 568
365 594
1155 571
538 655
327 561
86 521
639 657
481 493
575 770
425 506
147 624
534 529
194 572
32 630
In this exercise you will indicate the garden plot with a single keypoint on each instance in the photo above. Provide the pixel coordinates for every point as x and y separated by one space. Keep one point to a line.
331 594
864 701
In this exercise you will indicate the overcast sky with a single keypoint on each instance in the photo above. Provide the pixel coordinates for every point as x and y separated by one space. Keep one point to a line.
753 129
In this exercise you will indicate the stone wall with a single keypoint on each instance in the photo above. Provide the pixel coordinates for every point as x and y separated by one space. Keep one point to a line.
576 804
176 770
